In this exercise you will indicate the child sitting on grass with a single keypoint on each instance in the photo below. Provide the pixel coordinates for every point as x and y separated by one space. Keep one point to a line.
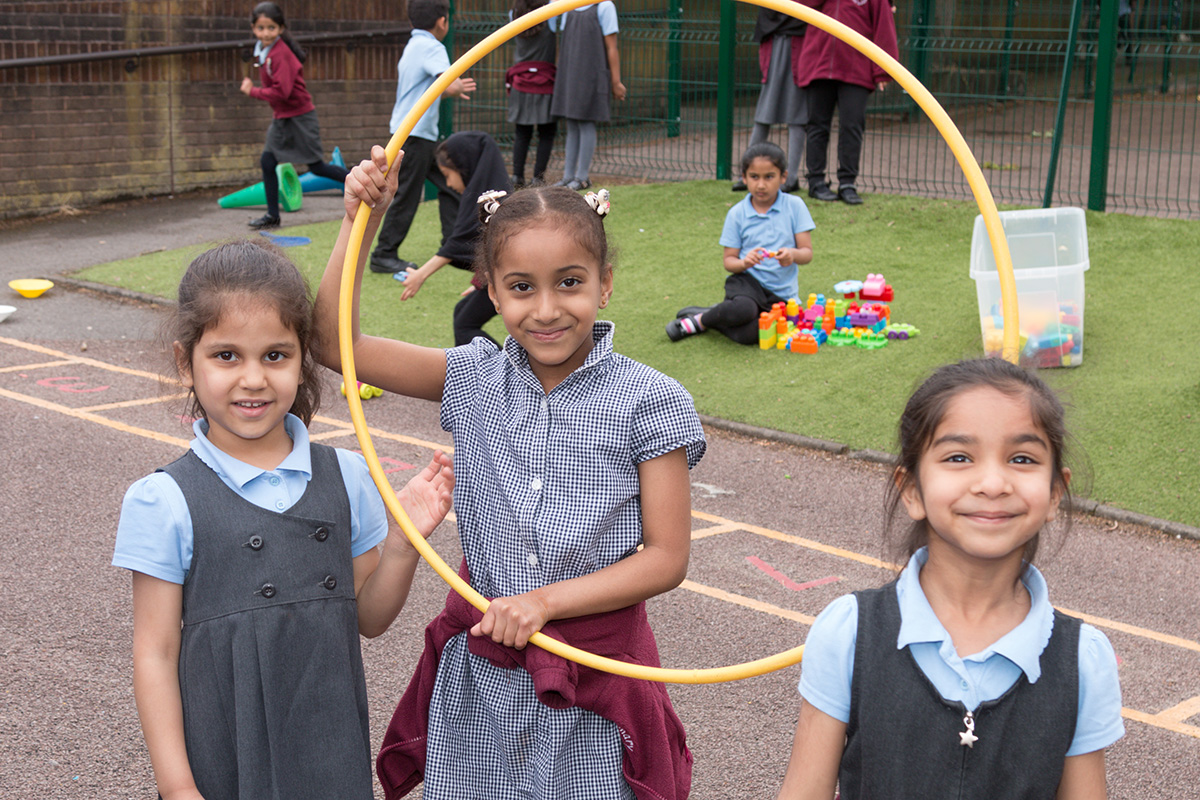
766 236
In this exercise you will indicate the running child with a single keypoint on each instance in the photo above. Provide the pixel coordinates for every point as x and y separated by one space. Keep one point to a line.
255 556
765 237
530 85
960 679
558 439
589 68
294 136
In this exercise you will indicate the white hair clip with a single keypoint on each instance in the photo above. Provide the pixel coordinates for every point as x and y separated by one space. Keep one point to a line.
490 202
599 202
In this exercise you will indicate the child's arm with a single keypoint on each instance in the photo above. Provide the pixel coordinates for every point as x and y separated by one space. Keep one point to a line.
658 567
381 582
735 263
816 755
418 276
614 65
393 365
157 615
1083 778
800 254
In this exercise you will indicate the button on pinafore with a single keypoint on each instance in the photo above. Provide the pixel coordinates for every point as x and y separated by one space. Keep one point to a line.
270 668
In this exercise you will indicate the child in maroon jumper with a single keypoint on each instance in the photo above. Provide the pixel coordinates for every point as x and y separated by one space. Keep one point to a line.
294 135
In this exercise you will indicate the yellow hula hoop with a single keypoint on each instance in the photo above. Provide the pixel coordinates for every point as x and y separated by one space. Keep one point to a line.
979 187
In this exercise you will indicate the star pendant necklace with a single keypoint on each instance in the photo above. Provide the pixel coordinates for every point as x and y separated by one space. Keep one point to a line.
968 738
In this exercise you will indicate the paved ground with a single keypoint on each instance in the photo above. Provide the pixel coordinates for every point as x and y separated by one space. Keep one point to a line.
78 426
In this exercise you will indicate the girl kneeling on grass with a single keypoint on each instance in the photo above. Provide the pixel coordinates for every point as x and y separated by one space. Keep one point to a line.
959 679
256 556
557 440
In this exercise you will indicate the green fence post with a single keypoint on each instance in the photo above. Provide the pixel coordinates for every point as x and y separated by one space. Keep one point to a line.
922 20
1106 47
1063 93
674 68
725 53
1009 21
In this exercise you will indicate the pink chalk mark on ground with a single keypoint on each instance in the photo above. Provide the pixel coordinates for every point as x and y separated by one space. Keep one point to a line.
399 465
785 580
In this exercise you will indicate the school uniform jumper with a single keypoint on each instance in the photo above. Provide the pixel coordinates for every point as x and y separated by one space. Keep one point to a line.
270 630
837 75
547 490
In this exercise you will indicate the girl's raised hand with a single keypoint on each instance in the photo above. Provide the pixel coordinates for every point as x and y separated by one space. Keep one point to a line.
429 496
372 182
510 621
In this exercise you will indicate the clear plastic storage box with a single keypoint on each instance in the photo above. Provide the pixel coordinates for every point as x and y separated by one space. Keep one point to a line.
1050 254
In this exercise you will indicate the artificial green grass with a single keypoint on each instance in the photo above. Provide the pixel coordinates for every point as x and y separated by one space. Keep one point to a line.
1135 400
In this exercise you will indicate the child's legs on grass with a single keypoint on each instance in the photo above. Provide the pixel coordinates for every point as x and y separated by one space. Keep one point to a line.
852 119
521 138
570 151
822 97
546 133
416 166
587 148
270 182
737 315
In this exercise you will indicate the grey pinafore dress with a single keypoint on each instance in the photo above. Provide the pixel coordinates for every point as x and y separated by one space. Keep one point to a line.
583 81
270 669
525 108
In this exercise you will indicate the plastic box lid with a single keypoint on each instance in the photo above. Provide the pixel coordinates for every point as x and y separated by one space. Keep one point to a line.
1043 242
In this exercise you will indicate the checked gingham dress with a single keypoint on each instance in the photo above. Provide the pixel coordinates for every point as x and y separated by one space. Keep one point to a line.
547 490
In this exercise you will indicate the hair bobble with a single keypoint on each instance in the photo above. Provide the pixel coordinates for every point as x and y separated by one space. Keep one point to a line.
599 202
489 202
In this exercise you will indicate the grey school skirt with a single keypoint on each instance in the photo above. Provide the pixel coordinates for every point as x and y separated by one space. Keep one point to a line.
781 100
295 139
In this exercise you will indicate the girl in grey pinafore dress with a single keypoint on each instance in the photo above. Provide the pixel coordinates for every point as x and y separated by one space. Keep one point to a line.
270 631
533 51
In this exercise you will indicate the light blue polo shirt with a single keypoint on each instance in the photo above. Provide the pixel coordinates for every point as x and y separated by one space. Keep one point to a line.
747 230
828 667
154 535
423 59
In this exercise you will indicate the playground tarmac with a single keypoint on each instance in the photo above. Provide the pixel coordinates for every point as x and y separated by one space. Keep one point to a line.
83 413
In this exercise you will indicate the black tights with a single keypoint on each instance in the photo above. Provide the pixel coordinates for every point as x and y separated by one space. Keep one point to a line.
736 317
524 135
271 180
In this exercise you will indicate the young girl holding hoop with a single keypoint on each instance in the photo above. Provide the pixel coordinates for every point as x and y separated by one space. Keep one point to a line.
255 557
959 679
557 440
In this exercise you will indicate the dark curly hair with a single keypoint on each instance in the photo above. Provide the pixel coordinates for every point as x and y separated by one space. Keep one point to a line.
263 273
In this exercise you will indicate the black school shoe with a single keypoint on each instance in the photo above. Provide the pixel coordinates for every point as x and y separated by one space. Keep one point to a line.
264 222
691 311
389 265
790 186
738 186
849 196
822 192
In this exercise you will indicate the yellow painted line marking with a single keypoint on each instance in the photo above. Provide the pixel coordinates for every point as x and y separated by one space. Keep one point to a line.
797 540
91 362
1188 708
747 602
1133 630
145 401
395 437
89 417
1157 721
704 533
39 365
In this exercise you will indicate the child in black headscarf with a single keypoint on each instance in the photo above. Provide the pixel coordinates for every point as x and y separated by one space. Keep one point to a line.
472 164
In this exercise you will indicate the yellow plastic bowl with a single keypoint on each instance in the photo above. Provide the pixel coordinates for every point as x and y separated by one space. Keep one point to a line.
30 287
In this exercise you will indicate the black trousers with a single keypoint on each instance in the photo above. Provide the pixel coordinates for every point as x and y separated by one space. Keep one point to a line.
737 315
417 167
470 314
271 180
851 103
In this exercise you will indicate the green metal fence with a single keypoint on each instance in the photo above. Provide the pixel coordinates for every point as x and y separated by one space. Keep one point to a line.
1128 120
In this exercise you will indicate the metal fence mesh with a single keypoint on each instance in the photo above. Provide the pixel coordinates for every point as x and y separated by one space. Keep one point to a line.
996 67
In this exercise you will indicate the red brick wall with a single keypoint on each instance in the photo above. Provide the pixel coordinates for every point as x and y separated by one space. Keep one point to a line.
79 134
